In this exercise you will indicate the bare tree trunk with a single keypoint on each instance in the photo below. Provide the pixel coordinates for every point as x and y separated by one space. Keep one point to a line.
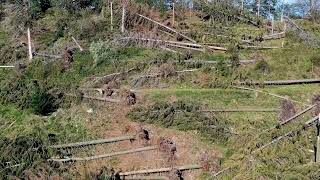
173 15
111 17
318 141
29 45
123 18
258 5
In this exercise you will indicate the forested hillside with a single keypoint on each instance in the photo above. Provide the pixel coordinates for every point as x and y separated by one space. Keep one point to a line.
159 89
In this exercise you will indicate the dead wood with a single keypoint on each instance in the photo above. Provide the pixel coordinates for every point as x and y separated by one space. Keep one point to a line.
93 142
170 29
283 82
96 98
148 178
48 55
222 172
74 159
261 47
176 43
239 110
98 81
267 93
168 147
274 36
288 110
316 101
76 42
161 170
7 66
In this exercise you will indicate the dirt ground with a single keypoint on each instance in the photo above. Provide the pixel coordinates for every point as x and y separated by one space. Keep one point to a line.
107 121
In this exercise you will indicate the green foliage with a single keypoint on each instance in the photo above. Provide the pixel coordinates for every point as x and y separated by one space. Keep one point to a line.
223 69
104 52
233 50
315 60
2 13
38 7
262 66
26 151
182 116
75 6
42 102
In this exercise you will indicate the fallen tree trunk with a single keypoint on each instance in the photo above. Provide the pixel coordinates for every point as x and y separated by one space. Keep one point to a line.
102 99
244 62
73 159
147 178
97 98
104 79
76 42
283 82
222 172
7 66
261 47
94 142
184 47
183 44
271 94
48 55
274 36
184 36
161 170
240 110
158 75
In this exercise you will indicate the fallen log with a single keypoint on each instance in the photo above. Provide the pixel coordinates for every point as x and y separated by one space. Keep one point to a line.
271 94
48 55
161 170
261 47
176 43
170 50
222 172
184 36
240 110
107 78
103 156
147 178
283 82
97 98
184 47
244 62
102 99
7 66
76 42
274 36
159 74
187 70
93 142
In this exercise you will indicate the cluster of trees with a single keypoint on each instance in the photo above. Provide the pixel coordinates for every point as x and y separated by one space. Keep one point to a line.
304 9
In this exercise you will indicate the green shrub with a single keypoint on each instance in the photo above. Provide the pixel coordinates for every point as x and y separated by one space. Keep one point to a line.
27 152
38 7
315 60
76 6
183 116
104 52
262 66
